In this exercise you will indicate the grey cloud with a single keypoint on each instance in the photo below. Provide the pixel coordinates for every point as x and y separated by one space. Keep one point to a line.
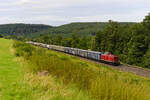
57 12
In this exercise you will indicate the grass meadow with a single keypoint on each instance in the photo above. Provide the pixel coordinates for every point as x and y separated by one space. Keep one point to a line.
89 81
18 84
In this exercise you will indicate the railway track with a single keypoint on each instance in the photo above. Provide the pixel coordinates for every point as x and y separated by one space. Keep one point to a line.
125 68
136 70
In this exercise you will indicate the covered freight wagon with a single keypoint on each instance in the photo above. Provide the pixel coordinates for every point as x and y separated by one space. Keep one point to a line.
83 53
94 55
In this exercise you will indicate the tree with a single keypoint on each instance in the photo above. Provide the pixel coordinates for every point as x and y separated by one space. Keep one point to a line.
75 41
1 36
146 60
66 42
136 45
91 43
113 32
146 21
107 39
98 40
46 39
83 43
57 40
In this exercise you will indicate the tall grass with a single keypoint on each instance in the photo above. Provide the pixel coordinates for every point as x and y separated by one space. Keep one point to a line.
99 84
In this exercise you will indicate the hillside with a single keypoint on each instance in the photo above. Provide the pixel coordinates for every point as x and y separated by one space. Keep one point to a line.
21 29
79 28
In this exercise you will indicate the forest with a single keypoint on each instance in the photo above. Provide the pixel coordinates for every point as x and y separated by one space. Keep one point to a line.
131 42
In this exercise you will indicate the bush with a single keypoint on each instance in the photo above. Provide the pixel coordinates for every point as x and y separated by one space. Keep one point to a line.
23 49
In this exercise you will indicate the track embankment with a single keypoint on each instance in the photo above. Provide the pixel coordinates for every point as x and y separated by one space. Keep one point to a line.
135 70
126 68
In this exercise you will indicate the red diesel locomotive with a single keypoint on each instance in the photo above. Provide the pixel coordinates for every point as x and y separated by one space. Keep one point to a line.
110 58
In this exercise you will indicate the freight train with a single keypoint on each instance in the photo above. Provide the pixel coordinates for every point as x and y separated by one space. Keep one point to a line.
106 57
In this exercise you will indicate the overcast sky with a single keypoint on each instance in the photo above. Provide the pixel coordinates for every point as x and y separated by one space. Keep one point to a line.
58 12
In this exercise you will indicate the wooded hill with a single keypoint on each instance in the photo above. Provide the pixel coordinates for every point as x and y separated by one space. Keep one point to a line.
21 29
32 30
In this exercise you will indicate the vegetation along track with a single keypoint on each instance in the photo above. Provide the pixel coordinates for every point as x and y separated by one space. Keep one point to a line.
122 67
